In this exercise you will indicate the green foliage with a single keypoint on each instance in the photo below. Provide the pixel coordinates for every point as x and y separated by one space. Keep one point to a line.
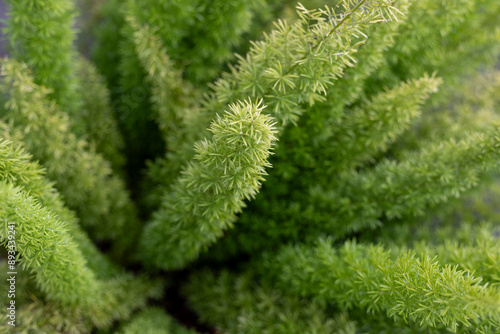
179 26
289 206
67 267
182 24
41 35
172 97
371 128
82 176
227 170
153 321
322 44
17 169
398 283
60 276
96 119
287 80
246 307
338 175
439 34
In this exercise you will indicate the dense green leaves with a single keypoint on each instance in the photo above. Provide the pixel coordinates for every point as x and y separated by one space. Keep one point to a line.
83 177
398 283
226 170
67 267
153 321
41 34
244 306
372 219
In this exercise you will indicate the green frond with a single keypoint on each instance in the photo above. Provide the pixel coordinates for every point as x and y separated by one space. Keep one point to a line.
399 284
41 34
139 183
227 170
83 177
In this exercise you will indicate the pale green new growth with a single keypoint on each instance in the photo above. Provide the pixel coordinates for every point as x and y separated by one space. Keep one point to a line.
294 65
469 245
17 169
61 271
62 258
480 257
226 170
349 87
